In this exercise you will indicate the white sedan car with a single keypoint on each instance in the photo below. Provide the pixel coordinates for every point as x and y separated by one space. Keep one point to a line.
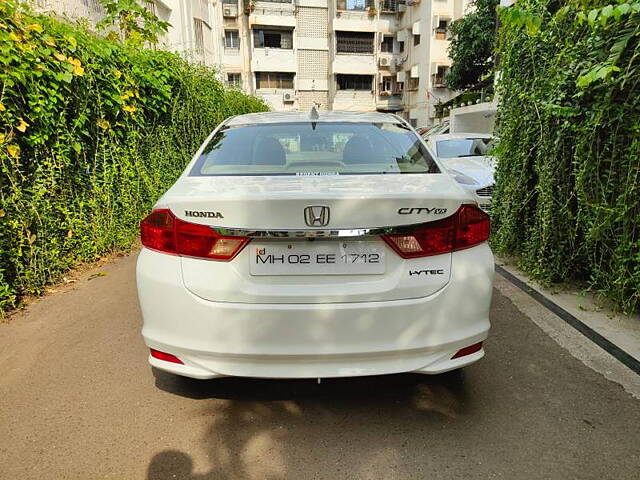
466 156
314 246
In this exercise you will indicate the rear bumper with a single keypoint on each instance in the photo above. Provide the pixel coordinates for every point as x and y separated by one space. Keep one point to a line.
315 340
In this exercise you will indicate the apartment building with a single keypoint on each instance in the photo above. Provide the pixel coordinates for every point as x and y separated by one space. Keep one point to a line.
363 55
358 55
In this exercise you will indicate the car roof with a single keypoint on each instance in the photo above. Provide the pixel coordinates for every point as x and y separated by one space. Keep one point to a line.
453 136
286 117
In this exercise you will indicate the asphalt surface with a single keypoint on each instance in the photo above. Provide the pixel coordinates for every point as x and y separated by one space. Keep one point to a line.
78 400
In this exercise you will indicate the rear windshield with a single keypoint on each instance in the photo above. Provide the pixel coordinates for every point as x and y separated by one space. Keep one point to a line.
318 148
464 147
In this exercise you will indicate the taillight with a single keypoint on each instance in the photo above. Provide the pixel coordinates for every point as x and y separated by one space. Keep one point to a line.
167 357
468 227
162 231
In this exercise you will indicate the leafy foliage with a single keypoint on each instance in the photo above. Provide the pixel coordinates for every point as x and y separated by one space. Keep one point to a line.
471 47
134 22
568 182
91 134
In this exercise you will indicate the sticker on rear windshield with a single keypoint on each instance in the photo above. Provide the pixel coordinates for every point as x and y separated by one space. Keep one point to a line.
315 174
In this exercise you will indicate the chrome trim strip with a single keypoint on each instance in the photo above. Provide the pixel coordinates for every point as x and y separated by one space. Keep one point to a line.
343 233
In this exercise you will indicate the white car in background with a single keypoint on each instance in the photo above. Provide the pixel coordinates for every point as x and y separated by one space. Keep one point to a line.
467 157
311 246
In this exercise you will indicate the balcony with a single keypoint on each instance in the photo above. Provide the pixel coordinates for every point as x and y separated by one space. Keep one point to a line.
388 100
355 15
270 13
354 101
355 64
273 60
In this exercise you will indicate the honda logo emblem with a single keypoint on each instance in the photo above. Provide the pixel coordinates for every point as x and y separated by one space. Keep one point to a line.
316 215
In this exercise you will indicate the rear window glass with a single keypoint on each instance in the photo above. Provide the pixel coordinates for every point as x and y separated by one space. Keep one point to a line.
318 148
464 147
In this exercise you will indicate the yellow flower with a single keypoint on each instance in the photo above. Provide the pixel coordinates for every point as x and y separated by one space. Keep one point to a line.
60 56
129 108
2 107
102 123
35 27
14 37
2 137
74 61
22 126
78 70
14 150
117 73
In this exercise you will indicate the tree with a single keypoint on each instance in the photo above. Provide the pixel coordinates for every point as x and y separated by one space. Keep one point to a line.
472 42
134 23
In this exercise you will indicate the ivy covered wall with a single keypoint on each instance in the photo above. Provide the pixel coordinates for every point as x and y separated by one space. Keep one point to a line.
91 134
567 200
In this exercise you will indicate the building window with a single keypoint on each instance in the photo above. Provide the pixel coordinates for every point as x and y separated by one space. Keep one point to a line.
282 80
413 122
272 38
198 33
389 5
416 40
440 77
401 47
441 29
354 42
387 45
399 87
230 2
357 5
234 80
387 84
355 82
231 39
413 82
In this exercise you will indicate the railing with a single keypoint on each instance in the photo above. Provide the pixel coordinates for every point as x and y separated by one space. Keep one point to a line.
355 5
389 6
354 45
439 81
272 11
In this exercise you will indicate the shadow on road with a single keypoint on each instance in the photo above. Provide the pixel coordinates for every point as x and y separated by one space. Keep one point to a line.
291 428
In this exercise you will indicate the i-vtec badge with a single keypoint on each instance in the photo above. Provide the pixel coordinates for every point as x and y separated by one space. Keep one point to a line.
437 271
197 213
419 210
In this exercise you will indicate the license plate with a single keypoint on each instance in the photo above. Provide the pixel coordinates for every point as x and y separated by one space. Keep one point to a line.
317 257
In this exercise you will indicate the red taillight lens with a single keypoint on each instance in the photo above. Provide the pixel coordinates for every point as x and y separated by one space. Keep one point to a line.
467 227
162 231
473 227
157 231
463 352
167 357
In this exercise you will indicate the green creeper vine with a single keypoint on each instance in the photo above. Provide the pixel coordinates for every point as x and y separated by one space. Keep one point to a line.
567 200
92 132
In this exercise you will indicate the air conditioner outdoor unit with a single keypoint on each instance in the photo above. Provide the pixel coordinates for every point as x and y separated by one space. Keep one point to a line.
230 11
288 97
384 61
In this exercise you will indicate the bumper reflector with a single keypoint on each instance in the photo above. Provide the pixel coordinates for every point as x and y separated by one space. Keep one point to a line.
476 347
167 357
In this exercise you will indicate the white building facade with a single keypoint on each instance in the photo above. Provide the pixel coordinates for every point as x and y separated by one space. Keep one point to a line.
358 55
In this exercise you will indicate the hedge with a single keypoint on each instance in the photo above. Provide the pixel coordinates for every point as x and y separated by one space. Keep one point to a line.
91 134
567 199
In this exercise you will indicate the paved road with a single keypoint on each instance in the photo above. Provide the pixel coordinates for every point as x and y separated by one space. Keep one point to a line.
77 400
